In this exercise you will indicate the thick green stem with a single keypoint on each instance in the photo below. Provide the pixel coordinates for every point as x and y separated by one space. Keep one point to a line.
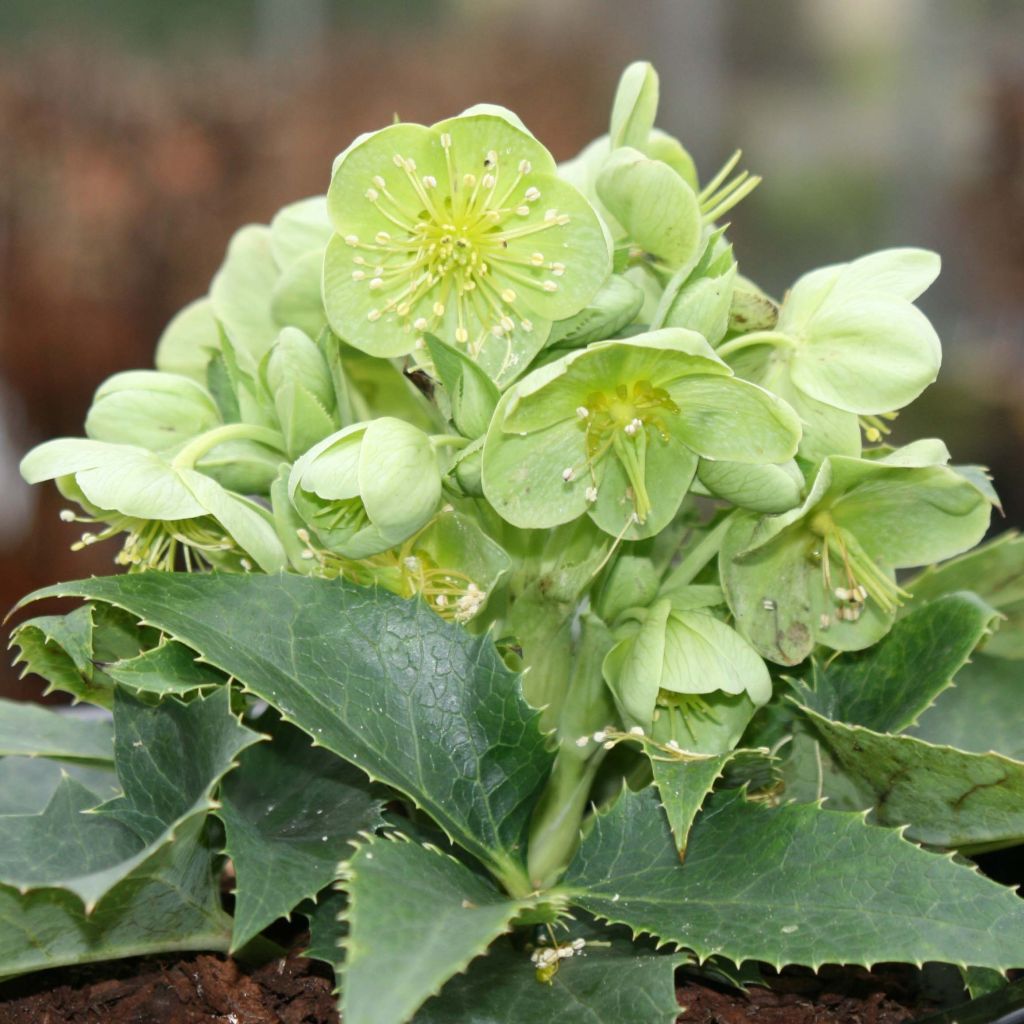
199 446
773 338
697 557
555 828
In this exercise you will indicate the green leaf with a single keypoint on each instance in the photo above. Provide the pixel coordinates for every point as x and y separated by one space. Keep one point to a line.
169 759
39 732
995 572
327 928
170 668
28 783
683 785
790 884
170 902
980 712
414 701
416 917
289 809
610 982
947 797
886 687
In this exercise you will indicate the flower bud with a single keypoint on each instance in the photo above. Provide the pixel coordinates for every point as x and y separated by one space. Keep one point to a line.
368 487
700 298
299 379
150 409
762 488
635 106
613 308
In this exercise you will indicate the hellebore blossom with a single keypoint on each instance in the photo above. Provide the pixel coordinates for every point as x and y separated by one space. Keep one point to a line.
682 674
367 487
823 573
849 343
615 431
163 504
461 229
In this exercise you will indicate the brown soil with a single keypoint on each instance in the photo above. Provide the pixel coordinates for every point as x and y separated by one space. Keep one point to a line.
205 989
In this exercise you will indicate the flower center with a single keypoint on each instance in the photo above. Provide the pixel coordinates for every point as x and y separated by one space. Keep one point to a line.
618 421
448 258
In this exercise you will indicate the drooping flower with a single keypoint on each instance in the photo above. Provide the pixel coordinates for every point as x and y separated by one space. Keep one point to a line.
163 505
825 572
849 343
461 229
368 487
681 674
615 430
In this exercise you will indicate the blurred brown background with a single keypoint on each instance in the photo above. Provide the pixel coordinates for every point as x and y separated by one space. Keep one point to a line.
137 135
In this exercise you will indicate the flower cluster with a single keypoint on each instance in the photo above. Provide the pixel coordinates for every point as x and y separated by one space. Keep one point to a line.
539 396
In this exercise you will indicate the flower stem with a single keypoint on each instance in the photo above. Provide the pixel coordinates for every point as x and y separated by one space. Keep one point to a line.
199 446
774 338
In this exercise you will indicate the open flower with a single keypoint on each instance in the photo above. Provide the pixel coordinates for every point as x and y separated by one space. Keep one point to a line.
683 674
368 487
849 342
824 572
461 229
163 505
615 430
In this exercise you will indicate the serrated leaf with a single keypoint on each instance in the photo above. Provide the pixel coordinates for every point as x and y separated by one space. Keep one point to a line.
170 668
995 572
416 916
682 786
39 732
327 928
608 982
169 758
980 712
416 702
170 902
791 884
27 784
289 810
948 797
888 685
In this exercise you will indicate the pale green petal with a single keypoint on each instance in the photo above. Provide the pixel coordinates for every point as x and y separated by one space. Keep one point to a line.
669 469
896 273
635 106
330 469
296 300
664 147
523 474
614 307
632 668
67 455
188 341
703 654
762 488
867 356
727 418
298 229
249 525
910 517
657 208
140 484
484 127
241 290
399 479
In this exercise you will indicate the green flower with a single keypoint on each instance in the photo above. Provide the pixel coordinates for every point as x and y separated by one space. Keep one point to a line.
163 505
825 572
683 675
615 430
367 487
153 410
461 229
849 342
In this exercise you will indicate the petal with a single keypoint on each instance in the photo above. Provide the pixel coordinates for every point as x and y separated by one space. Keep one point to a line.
399 479
867 356
330 469
67 455
140 484
298 229
731 419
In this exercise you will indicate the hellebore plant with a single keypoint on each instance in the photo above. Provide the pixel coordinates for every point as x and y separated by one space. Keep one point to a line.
519 595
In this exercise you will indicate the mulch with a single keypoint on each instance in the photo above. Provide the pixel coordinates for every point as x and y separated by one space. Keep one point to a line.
210 989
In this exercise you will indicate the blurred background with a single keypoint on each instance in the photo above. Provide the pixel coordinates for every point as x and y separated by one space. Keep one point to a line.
137 135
